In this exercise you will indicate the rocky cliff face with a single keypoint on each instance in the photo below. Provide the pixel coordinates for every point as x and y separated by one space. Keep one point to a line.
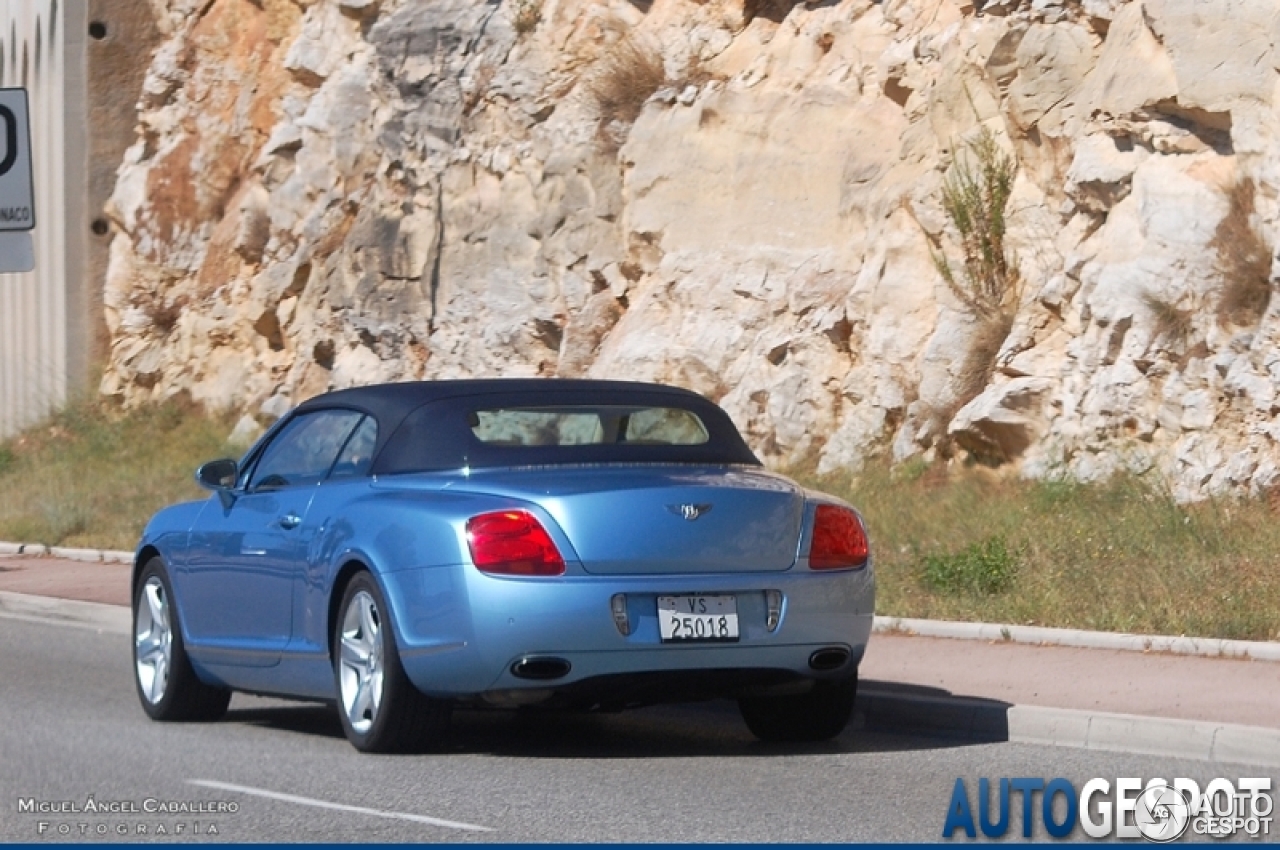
345 191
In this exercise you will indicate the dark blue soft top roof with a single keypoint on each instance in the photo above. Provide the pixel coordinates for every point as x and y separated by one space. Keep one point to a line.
423 425
386 400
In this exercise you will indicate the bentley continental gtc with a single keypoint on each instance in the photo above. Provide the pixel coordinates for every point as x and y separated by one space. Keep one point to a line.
404 549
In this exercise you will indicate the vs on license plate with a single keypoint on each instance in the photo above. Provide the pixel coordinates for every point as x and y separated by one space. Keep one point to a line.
683 618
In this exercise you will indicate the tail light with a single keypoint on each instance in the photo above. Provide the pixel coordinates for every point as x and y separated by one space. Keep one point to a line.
512 543
839 540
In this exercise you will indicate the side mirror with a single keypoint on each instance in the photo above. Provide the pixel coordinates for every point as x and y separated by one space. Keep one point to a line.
218 474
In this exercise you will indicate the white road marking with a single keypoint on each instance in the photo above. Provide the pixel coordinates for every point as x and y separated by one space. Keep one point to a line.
340 807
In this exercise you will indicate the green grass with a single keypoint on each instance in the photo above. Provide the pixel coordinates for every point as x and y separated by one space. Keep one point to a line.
982 569
966 545
93 474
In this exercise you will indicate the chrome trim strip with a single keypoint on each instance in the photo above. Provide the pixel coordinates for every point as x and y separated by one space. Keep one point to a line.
432 650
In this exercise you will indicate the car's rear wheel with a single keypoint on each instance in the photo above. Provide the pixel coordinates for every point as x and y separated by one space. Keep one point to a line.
380 709
167 685
818 715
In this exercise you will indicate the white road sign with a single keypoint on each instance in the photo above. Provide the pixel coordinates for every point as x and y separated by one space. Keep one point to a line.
17 194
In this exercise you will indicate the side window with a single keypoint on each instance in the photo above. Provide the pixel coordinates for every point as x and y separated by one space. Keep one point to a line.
305 450
357 454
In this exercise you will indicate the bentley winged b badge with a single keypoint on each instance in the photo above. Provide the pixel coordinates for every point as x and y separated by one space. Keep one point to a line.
689 512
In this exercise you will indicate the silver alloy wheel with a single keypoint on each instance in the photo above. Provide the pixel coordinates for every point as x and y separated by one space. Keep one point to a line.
153 640
360 662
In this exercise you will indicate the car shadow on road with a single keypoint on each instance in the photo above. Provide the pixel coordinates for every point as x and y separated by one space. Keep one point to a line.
934 712
302 717
889 717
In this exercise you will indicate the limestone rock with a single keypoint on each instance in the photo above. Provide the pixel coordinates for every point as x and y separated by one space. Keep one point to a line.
1101 172
1052 60
1002 422
337 192
1112 87
1222 50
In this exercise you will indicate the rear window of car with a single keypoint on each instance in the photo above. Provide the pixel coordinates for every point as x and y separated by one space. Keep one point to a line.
561 426
580 425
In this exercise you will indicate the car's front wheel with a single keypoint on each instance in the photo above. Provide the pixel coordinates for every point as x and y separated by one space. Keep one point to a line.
167 685
818 715
380 709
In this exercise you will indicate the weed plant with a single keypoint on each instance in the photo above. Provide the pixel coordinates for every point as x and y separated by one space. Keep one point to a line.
981 569
975 198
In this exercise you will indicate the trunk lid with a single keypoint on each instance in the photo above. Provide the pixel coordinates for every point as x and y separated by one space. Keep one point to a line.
638 520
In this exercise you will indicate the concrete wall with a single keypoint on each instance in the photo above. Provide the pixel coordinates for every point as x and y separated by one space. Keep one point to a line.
43 332
82 63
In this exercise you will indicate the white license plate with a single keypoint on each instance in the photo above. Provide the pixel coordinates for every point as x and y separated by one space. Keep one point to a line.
683 618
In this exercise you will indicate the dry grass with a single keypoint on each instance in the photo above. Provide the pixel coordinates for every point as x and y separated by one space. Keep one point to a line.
980 359
966 545
93 474
526 15
161 310
1171 322
1242 259
624 78
972 377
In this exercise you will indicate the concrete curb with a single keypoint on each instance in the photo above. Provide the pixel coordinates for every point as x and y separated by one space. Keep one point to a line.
979 720
107 619
1257 650
993 632
95 556
968 719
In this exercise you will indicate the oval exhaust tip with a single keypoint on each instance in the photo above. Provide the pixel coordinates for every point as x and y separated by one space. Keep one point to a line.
542 668
830 658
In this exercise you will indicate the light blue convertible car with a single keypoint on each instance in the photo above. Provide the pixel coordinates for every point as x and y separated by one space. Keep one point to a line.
406 548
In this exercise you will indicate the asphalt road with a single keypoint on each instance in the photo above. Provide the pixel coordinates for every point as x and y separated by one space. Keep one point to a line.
72 730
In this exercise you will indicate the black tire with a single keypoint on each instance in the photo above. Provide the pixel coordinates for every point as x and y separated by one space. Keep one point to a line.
176 694
819 715
399 718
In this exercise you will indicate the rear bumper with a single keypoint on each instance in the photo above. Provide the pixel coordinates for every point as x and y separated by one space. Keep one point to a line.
616 691
460 632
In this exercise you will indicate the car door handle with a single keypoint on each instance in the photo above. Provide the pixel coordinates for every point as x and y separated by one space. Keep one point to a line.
289 521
